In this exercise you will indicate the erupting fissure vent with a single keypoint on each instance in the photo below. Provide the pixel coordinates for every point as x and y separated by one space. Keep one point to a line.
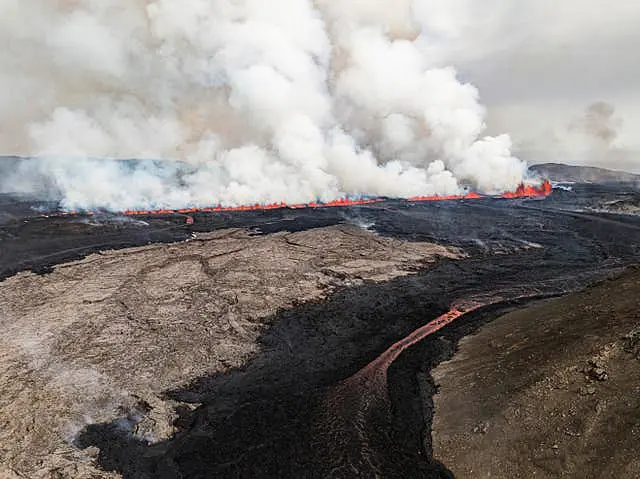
522 191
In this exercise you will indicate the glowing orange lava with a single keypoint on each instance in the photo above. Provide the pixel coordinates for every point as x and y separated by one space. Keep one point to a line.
521 192
376 371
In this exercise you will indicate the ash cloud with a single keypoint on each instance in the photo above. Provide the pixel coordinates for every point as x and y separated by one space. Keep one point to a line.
598 124
600 129
589 139
255 102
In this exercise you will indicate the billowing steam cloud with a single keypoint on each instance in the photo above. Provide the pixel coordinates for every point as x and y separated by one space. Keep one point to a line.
285 100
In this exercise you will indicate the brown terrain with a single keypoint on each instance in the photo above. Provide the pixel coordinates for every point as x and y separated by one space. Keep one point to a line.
552 390
107 335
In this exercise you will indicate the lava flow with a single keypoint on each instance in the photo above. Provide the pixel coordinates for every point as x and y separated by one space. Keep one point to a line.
521 192
350 412
376 371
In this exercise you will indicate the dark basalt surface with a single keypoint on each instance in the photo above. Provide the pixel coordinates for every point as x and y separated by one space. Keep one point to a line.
31 241
257 422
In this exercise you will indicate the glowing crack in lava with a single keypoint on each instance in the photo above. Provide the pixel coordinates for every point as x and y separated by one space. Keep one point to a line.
522 191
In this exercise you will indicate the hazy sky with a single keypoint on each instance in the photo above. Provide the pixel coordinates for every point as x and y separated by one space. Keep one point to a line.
540 63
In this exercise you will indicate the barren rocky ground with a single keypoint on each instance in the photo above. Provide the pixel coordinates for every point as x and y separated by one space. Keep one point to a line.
551 390
108 334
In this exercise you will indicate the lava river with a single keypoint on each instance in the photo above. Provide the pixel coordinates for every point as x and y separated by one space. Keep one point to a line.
346 426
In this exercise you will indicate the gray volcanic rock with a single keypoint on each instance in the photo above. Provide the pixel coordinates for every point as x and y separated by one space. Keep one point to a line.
629 205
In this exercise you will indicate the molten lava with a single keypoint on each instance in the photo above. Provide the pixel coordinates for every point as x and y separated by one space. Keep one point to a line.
521 192
378 368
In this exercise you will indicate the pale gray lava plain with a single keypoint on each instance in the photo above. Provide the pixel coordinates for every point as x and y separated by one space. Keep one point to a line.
249 413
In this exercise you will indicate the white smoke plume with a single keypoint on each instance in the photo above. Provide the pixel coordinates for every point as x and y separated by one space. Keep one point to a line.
255 101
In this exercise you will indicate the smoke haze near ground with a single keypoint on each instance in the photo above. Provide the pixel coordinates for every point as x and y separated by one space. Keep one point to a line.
287 100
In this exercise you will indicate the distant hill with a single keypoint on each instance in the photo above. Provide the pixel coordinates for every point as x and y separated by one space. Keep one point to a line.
581 174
